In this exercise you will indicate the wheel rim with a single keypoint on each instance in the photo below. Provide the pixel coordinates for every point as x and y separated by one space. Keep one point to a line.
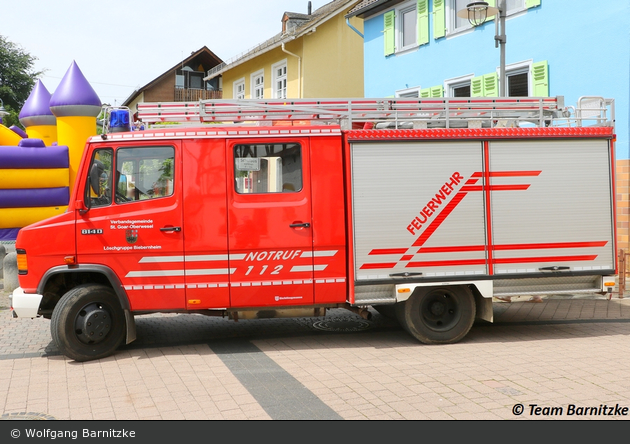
440 310
92 323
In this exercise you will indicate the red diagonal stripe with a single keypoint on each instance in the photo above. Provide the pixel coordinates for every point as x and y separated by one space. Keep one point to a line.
514 173
388 251
467 188
550 245
446 263
439 219
525 260
381 265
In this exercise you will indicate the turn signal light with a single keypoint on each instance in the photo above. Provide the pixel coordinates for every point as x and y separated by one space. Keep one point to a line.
22 264
194 301
609 284
70 260
404 290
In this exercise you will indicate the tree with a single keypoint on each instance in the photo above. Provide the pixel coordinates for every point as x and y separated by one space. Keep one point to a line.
17 78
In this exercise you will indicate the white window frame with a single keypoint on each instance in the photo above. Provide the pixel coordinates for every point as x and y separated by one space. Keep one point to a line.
258 87
454 82
410 93
451 13
274 79
239 88
524 66
399 28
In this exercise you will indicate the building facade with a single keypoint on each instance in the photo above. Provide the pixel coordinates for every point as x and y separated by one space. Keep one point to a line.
182 83
317 54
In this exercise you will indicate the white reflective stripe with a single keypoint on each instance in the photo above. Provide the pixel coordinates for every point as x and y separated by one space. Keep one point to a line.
206 257
209 271
188 258
325 253
161 259
301 268
233 284
153 273
237 257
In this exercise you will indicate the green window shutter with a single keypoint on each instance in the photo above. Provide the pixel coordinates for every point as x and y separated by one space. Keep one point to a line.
540 77
491 85
388 31
425 93
532 3
437 91
422 8
476 86
439 19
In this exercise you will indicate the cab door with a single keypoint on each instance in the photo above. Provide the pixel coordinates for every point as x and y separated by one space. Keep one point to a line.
270 233
133 226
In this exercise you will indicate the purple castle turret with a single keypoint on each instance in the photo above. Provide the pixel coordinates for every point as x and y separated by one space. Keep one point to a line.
76 106
36 116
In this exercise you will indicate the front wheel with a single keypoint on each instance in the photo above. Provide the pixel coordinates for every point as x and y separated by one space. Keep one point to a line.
88 323
441 315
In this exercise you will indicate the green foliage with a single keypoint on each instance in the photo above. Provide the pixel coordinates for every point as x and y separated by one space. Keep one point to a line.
17 78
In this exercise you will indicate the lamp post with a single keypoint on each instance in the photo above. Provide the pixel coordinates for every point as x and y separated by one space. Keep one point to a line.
3 112
477 13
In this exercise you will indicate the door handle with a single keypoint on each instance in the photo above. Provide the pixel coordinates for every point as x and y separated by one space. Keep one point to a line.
304 225
171 229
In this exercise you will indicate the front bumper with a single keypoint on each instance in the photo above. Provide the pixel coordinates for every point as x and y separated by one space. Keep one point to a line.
25 305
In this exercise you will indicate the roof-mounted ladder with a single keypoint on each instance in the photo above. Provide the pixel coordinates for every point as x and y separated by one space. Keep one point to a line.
453 112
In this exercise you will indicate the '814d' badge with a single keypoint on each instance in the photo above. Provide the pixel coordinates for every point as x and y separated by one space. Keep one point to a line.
131 236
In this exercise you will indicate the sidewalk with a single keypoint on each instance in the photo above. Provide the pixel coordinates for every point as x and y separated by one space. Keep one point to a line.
564 350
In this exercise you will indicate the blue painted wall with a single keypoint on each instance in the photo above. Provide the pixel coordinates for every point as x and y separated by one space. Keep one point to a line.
588 53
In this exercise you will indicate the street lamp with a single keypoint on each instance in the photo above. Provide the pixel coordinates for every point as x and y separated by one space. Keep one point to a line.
3 112
477 13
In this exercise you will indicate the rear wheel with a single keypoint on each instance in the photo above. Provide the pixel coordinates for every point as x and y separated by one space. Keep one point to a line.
88 323
441 315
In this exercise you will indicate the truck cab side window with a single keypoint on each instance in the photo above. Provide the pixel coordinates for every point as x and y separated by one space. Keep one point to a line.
144 173
100 175
268 168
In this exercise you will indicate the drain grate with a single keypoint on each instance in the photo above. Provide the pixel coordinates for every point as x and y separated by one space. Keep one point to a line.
26 416
342 325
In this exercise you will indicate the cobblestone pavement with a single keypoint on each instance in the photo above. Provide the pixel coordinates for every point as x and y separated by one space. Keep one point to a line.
557 359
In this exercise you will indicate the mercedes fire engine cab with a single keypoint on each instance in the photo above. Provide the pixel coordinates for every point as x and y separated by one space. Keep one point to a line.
420 208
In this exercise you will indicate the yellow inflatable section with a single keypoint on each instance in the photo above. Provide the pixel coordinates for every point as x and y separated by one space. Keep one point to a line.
8 137
21 217
34 178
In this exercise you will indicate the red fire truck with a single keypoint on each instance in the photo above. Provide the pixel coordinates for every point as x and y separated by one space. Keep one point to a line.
420 208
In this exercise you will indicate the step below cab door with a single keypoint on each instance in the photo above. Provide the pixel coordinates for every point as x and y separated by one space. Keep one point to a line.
270 232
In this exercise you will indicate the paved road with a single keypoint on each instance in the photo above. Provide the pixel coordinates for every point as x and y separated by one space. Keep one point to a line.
558 359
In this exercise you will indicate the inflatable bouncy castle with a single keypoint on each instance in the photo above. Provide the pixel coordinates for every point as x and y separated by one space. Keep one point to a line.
38 168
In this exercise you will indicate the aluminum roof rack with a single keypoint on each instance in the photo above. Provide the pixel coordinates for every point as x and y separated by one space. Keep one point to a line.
450 112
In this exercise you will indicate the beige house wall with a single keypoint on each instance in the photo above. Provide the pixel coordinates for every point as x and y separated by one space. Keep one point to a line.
333 60
327 62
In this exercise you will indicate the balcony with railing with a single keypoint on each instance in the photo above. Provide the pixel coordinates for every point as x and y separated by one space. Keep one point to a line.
193 95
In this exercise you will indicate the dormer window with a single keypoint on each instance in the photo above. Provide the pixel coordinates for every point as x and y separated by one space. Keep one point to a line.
293 20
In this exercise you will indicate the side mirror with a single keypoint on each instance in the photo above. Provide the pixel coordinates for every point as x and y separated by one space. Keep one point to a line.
80 205
95 174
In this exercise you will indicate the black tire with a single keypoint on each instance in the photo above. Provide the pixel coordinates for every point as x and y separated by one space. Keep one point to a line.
439 315
88 323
